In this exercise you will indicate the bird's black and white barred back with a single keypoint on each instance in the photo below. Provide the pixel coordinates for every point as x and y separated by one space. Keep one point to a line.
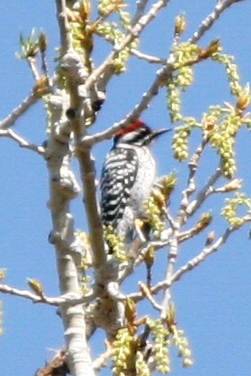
119 172
127 178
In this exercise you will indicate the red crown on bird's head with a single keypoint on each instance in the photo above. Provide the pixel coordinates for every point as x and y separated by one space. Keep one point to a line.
131 127
137 133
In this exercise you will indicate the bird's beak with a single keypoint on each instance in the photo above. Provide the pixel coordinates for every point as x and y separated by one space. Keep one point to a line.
159 132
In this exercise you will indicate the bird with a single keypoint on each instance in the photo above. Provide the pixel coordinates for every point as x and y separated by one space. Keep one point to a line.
127 177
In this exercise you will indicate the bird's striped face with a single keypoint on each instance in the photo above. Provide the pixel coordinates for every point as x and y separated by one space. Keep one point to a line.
137 133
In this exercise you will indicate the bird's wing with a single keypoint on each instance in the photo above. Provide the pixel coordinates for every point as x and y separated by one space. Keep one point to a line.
118 176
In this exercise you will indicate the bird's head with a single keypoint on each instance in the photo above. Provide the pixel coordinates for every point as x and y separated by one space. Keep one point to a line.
137 133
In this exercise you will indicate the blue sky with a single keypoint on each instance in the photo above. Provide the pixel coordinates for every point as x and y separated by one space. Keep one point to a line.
213 301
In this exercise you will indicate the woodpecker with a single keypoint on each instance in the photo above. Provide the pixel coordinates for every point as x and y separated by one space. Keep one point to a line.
127 177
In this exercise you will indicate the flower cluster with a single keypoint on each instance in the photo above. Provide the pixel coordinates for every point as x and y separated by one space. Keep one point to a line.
178 338
173 101
114 241
232 205
141 366
223 140
231 71
220 126
180 138
161 342
181 342
164 333
210 120
154 215
183 55
124 346
106 7
112 33
155 205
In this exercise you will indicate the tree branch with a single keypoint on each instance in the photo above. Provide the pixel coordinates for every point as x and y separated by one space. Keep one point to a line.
100 361
172 257
64 31
146 292
6 289
191 264
208 22
23 143
141 5
190 187
195 261
68 300
76 74
149 58
18 111
203 193
161 74
136 30
64 187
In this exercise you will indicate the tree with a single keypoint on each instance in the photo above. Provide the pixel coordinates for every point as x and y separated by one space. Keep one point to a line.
75 99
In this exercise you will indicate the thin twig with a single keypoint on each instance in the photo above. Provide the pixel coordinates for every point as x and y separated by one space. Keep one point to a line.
141 6
149 58
33 67
165 72
64 31
187 208
147 294
67 299
204 192
18 111
100 361
208 22
191 264
134 33
23 143
185 235
190 187
172 257
162 74
5 289
195 261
